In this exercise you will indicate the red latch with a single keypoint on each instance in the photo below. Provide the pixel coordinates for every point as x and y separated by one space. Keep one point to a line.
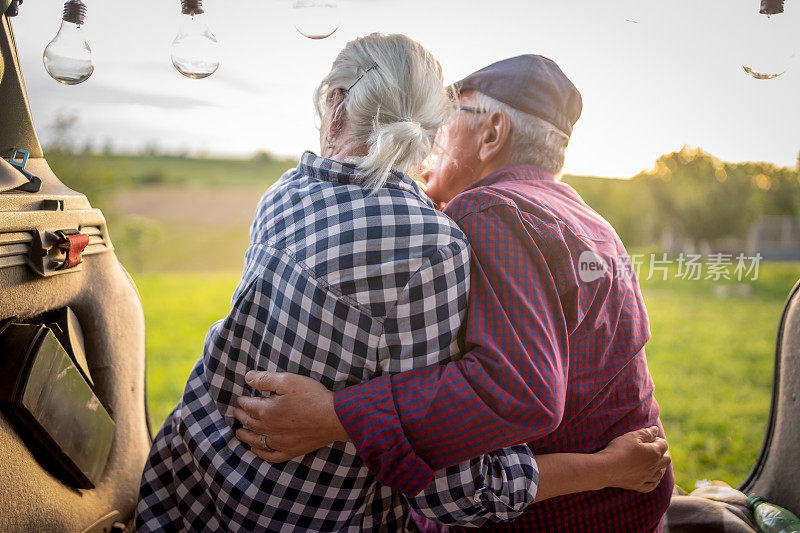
73 244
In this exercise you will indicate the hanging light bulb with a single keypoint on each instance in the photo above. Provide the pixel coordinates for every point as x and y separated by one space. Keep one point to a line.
316 19
769 41
195 51
68 58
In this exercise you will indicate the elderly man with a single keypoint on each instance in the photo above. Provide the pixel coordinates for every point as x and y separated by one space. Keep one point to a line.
555 333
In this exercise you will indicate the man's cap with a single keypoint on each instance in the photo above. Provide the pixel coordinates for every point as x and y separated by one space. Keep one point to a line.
532 84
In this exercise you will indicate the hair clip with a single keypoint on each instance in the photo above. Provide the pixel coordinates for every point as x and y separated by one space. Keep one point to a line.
374 65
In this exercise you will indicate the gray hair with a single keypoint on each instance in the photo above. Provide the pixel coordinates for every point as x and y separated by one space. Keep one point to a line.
533 141
396 102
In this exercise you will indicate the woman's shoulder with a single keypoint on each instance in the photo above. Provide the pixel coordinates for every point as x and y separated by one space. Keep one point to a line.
362 246
412 210
300 207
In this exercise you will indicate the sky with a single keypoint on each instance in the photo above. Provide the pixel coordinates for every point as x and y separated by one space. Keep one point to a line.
654 74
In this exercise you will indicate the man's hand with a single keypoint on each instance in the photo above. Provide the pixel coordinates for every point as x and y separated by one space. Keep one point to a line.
637 460
297 419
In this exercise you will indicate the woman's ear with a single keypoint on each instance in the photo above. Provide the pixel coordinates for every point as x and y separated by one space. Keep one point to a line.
494 136
338 112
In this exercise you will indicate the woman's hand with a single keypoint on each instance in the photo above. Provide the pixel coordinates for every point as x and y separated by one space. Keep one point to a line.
637 460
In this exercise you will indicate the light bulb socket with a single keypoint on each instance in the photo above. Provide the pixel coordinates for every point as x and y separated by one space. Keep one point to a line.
192 7
74 12
13 8
771 7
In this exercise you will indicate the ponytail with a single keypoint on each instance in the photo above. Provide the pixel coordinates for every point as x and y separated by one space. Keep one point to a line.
399 145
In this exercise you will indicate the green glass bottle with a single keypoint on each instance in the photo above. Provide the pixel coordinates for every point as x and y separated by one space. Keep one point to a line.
772 519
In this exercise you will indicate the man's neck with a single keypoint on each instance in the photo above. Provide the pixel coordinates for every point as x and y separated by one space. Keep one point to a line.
492 166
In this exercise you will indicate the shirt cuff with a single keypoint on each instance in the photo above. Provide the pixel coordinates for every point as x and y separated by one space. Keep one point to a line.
368 414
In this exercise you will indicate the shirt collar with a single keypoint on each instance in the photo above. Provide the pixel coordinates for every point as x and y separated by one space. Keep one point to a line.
514 173
324 169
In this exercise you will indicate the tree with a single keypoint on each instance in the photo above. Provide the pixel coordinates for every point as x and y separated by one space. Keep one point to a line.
781 195
78 169
699 197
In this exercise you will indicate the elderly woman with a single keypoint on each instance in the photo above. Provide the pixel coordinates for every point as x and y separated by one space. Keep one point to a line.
351 272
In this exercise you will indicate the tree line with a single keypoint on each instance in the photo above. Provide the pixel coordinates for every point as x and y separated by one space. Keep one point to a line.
693 195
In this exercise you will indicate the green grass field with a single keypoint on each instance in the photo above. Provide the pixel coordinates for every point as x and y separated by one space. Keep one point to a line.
711 357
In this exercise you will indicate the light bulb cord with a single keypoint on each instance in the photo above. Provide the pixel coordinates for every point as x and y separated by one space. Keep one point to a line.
192 7
74 12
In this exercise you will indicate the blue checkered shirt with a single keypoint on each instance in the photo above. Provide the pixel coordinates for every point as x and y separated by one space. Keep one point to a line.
342 285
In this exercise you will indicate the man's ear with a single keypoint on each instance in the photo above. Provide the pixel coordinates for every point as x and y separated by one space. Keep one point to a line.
494 136
338 111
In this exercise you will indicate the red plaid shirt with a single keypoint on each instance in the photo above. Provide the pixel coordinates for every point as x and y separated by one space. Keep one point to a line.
554 357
